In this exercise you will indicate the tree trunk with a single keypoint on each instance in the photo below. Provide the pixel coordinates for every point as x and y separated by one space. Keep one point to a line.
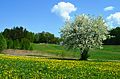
84 54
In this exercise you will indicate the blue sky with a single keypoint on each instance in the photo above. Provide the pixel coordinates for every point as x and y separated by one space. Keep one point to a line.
41 15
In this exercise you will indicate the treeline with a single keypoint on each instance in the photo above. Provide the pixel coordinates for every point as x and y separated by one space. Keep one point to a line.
20 38
46 37
115 37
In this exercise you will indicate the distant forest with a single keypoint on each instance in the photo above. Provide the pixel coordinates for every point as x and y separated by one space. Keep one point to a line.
21 38
115 37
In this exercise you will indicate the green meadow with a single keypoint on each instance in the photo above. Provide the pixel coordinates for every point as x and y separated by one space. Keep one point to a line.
109 52
21 67
62 64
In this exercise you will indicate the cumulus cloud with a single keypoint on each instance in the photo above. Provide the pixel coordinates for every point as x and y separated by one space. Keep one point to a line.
114 19
108 8
64 9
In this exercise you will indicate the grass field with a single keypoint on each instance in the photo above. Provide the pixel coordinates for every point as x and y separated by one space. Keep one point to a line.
20 67
102 64
109 52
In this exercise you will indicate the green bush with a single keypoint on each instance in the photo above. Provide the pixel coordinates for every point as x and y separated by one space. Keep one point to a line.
3 44
25 44
31 48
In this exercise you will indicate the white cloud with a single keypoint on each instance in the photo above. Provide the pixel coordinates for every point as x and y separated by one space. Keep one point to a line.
114 19
64 9
108 8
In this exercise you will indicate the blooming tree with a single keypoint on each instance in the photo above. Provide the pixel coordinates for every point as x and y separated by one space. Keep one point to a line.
84 32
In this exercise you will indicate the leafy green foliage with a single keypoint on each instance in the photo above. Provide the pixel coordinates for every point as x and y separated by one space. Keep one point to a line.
17 33
15 38
20 38
31 48
9 44
46 37
25 44
3 44
16 44
41 68
115 39
84 32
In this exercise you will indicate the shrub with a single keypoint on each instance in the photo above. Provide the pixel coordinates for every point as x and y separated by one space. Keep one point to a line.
31 48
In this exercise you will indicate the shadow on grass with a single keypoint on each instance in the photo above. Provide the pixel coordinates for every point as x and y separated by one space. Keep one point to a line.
56 58
74 59
64 58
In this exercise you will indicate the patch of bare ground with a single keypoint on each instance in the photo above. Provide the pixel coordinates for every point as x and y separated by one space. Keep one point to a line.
17 52
35 53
